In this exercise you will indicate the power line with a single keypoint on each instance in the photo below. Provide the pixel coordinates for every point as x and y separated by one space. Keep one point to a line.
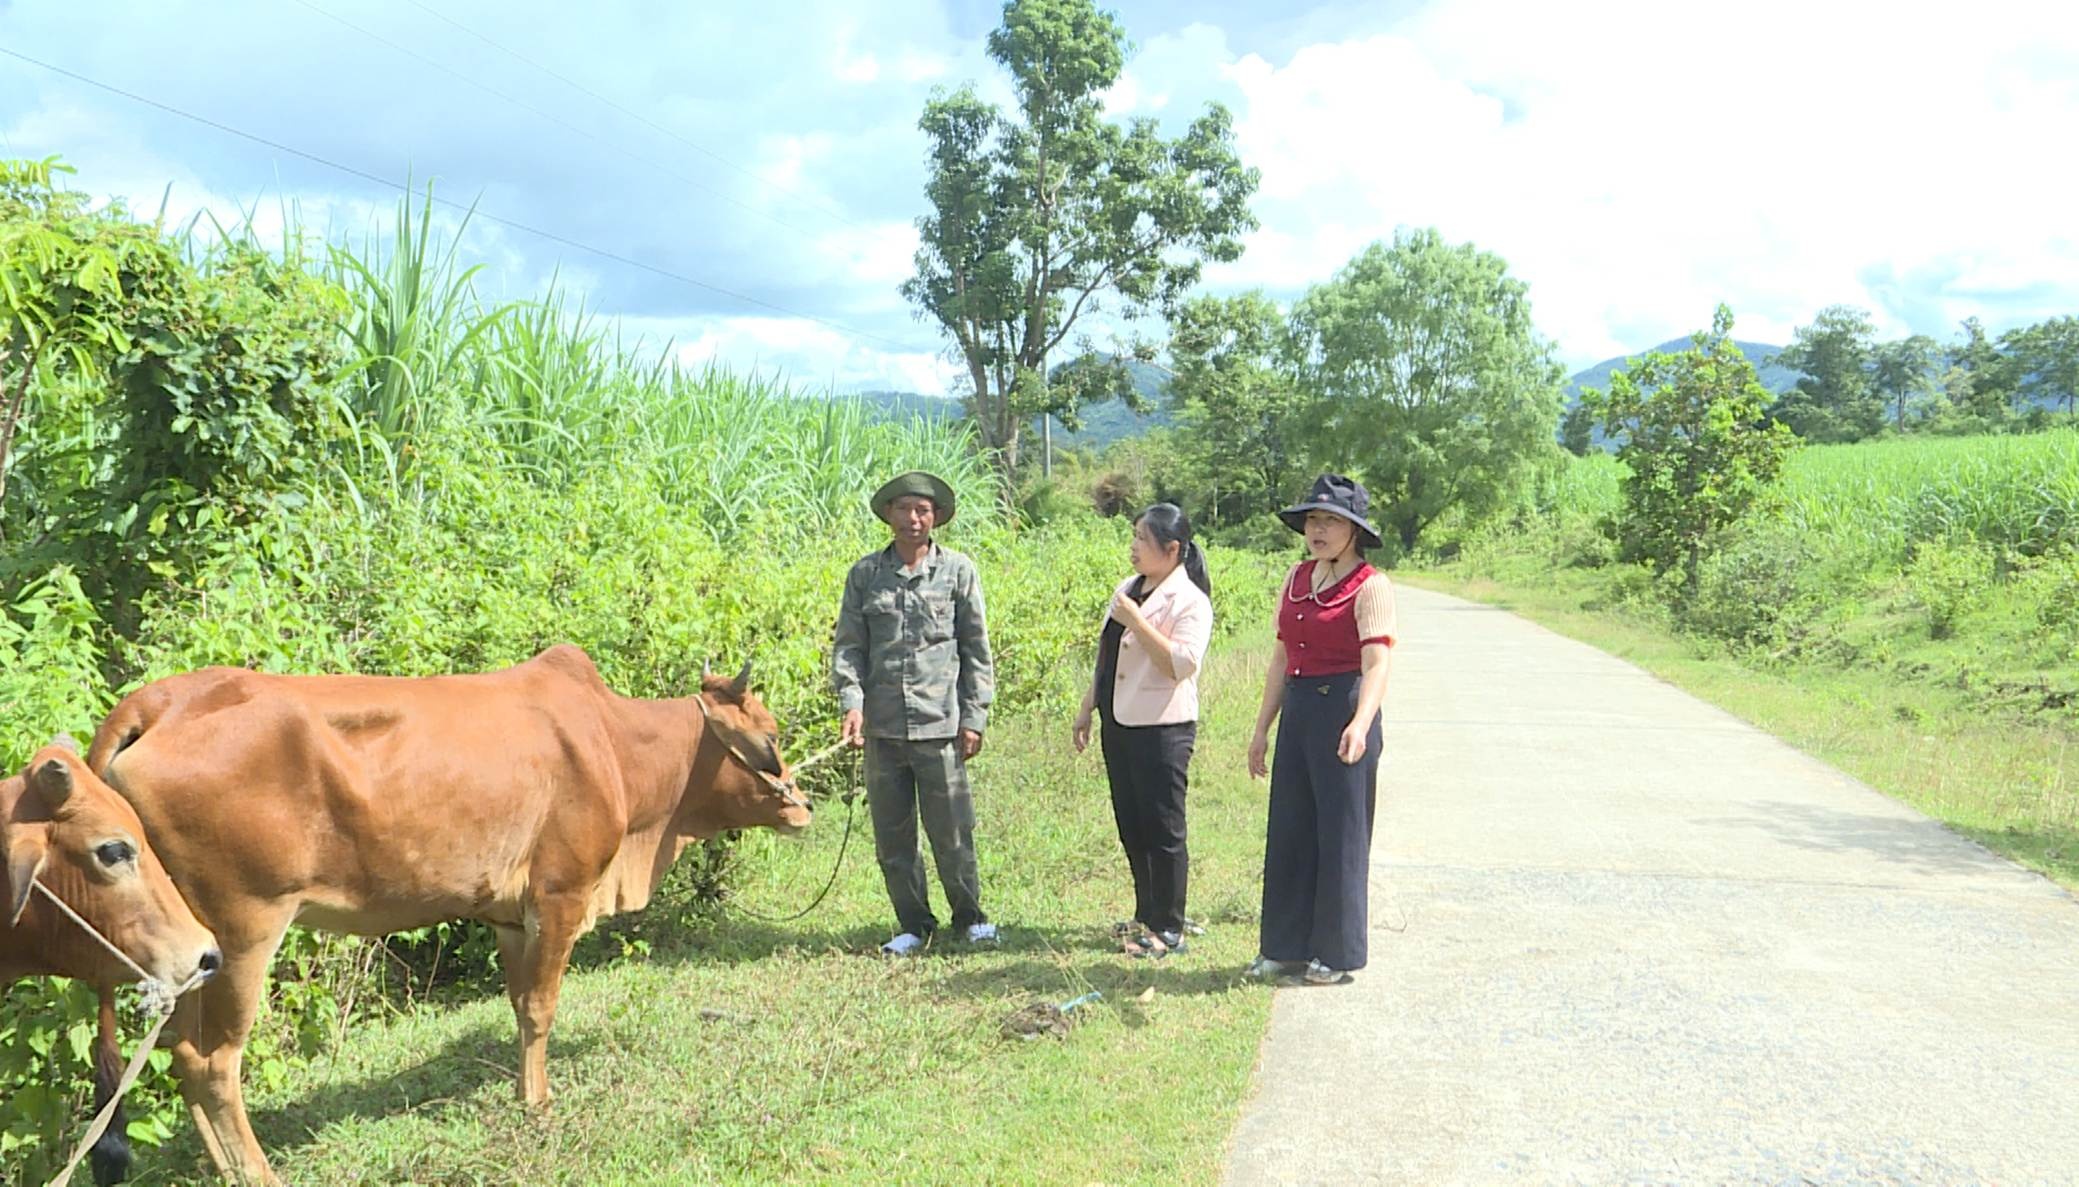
555 119
470 210
639 117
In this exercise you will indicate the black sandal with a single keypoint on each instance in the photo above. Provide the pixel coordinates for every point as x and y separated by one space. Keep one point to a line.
1154 946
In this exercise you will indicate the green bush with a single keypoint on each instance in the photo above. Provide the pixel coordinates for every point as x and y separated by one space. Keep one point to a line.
1948 579
1764 588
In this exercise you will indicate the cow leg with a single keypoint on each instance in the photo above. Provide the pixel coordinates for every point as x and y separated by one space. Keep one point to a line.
111 1158
214 1022
535 958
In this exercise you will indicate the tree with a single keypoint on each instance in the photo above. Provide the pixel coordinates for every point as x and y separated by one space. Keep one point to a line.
170 397
1427 379
1902 373
1981 382
1833 400
61 291
1237 399
1577 429
1051 214
2046 358
1698 447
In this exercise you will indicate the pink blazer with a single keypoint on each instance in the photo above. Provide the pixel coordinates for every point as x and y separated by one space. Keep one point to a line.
1142 694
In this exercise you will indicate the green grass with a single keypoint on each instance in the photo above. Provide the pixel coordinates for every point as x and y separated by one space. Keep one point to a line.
2005 775
735 1050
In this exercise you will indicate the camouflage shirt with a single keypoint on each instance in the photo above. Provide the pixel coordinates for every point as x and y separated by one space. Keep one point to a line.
912 646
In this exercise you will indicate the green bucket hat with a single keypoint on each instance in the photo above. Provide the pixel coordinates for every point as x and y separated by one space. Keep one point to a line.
916 482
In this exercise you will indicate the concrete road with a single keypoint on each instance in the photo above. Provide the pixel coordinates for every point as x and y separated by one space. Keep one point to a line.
1620 937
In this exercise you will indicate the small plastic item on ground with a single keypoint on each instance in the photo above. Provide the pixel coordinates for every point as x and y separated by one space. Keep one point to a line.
1045 1018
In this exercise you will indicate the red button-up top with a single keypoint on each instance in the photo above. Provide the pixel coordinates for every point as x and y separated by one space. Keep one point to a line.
1319 630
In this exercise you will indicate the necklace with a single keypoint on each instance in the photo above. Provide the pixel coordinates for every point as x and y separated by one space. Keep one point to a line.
1317 585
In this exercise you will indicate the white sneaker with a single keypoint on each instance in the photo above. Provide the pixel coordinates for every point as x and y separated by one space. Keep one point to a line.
904 944
981 933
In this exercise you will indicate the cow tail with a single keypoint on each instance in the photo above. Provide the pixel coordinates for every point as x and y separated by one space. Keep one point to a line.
111 1155
126 723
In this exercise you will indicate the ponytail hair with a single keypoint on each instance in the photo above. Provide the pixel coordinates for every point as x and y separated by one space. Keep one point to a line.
1168 524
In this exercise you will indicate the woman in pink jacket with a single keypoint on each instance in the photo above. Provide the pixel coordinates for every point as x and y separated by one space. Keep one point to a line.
1146 690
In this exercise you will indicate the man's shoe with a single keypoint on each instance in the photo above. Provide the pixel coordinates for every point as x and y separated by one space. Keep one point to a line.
906 944
981 933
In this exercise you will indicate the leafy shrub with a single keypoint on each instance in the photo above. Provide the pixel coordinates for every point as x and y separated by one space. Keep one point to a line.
1948 579
1763 588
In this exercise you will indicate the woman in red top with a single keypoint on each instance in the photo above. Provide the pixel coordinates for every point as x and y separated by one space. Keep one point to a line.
1328 676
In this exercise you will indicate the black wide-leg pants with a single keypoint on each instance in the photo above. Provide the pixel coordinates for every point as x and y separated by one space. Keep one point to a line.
1317 848
1149 768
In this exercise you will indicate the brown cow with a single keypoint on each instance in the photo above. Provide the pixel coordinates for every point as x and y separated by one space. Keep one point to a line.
66 830
534 799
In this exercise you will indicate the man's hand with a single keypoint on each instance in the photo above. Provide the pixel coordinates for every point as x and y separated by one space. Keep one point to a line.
1080 735
970 743
853 731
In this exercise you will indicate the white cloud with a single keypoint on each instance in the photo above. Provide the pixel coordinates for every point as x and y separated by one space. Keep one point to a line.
863 68
1638 162
806 355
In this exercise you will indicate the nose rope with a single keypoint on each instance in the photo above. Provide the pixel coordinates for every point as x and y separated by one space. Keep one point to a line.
819 756
157 998
785 786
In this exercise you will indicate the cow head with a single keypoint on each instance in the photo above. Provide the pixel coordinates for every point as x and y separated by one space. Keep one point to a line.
753 786
60 825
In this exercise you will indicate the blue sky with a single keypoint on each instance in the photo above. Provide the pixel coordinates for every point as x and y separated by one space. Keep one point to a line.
1635 163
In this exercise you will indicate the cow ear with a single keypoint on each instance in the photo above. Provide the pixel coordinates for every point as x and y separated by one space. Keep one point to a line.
53 781
742 684
25 854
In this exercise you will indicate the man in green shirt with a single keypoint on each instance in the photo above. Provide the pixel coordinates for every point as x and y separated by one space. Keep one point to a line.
912 673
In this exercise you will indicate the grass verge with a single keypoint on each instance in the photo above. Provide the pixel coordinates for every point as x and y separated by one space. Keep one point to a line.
2009 780
714 1047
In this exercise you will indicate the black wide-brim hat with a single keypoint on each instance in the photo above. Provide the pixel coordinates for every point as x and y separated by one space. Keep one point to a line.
916 482
1336 495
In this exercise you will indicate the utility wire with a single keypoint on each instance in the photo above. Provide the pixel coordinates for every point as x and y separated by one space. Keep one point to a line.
553 118
470 210
639 117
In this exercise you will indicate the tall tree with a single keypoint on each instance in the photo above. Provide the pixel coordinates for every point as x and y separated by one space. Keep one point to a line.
1833 399
1051 214
1698 447
1428 379
1981 381
2046 360
1902 373
1237 399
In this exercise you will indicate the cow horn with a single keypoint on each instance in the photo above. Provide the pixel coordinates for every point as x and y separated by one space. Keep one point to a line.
52 781
66 742
24 862
742 683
